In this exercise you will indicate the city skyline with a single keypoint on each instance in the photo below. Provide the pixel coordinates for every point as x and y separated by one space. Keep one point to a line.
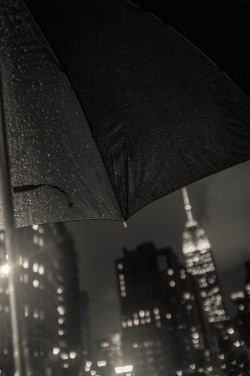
161 293
219 202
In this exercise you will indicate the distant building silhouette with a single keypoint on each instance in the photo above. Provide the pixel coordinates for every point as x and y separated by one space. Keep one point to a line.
161 325
49 301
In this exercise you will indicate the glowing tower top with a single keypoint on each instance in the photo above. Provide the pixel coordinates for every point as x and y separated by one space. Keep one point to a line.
200 263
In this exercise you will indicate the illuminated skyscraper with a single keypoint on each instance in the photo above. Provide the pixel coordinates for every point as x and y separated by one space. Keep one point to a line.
162 327
200 264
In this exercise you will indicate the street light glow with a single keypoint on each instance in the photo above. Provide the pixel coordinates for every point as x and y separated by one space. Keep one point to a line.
123 369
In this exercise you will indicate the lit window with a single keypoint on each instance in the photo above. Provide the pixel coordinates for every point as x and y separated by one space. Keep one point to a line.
25 263
186 295
41 269
156 311
170 272
104 344
136 322
35 267
35 313
61 310
35 239
64 356
124 324
35 227
120 266
130 323
40 230
26 310
35 283
121 276
59 290
123 294
141 313
4 269
61 320
195 335
101 363
56 350
172 283
241 307
41 242
61 332
66 365
72 355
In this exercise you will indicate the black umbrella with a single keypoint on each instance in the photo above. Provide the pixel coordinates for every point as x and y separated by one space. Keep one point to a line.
105 109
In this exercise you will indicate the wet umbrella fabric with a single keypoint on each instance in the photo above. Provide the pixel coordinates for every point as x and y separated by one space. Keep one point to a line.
107 109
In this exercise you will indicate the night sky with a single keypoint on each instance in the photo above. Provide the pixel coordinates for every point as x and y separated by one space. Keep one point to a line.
221 204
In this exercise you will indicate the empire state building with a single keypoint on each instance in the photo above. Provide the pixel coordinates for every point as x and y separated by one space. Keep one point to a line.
200 264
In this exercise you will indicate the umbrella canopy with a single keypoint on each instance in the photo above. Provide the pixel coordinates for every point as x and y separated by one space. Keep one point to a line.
220 28
107 109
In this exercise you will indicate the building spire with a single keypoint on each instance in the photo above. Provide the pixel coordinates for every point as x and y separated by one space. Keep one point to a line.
187 206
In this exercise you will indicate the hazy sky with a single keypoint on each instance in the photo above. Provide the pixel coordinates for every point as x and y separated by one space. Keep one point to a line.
221 204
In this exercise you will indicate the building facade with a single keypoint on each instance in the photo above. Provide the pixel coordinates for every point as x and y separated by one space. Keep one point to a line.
222 340
49 301
162 329
200 263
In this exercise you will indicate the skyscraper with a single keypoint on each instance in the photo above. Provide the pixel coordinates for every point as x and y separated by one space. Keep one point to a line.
162 331
49 304
200 264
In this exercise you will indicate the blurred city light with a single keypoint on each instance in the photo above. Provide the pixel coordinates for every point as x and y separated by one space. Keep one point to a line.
72 354
123 369
56 350
4 269
101 363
